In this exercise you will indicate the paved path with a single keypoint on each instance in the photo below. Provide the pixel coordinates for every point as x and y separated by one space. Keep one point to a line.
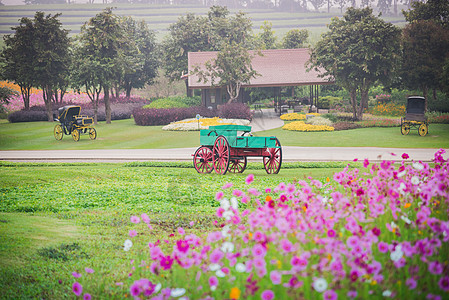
185 154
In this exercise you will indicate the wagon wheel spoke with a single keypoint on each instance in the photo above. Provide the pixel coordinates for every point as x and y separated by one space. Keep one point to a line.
202 160
220 156
237 165
273 161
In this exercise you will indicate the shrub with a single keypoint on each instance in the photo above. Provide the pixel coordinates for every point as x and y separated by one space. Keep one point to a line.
164 116
301 126
165 103
234 111
28 116
319 121
380 123
345 126
388 109
438 117
332 117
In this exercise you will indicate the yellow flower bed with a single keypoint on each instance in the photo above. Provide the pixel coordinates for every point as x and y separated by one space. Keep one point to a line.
301 126
204 123
293 117
314 114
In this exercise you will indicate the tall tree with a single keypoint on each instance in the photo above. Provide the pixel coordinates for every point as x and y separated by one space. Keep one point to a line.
231 68
295 38
358 51
425 47
17 58
52 57
266 38
143 59
436 10
105 43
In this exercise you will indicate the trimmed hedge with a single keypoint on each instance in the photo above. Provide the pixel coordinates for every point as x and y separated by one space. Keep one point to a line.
164 116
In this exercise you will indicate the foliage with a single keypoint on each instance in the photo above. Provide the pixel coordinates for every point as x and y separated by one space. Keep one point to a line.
166 103
6 94
437 117
319 121
293 117
345 125
330 116
164 116
295 38
383 98
266 38
388 109
358 51
436 10
302 126
380 123
268 242
425 45
235 111
328 102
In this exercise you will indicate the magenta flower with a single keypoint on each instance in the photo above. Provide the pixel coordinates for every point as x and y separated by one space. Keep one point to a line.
366 163
227 186
331 233
216 256
77 288
411 283
259 250
145 218
267 295
249 179
383 247
352 294
286 245
330 295
405 156
76 274
89 270
166 262
181 231
219 196
444 283
213 281
87 296
183 246
132 233
135 219
435 267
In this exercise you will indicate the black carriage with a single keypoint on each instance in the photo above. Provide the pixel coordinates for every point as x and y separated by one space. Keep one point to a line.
72 123
415 116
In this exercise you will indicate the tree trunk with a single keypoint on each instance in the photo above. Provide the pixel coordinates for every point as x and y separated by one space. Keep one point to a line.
424 93
353 94
188 91
364 101
47 94
107 105
128 91
26 91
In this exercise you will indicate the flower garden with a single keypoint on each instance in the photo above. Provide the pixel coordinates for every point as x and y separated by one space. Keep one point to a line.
202 123
377 232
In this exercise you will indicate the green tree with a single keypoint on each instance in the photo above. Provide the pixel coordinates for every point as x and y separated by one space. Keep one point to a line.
231 68
358 51
143 59
266 38
436 10
52 57
425 46
18 57
105 42
295 38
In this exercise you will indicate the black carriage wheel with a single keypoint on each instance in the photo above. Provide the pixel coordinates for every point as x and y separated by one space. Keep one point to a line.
58 132
405 128
92 133
203 160
422 130
76 135
273 161
237 165
221 154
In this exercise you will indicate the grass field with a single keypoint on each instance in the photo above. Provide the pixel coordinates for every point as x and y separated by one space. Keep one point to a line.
57 218
160 17
124 134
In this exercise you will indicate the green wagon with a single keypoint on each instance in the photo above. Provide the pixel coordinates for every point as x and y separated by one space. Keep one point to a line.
226 148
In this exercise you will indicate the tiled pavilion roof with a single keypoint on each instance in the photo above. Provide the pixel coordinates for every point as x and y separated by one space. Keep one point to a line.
278 67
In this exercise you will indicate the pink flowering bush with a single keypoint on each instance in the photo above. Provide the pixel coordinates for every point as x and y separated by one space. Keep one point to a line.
377 232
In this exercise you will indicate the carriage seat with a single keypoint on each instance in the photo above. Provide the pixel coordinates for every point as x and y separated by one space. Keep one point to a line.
415 117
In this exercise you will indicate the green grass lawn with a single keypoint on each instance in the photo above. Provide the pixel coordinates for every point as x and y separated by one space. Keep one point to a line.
59 218
124 134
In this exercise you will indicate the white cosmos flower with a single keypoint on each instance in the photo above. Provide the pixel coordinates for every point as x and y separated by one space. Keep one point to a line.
227 247
225 231
224 203
240 267
406 220
234 203
393 225
418 166
220 274
227 215
157 288
177 292
400 174
213 288
401 188
320 285
396 255
414 180
127 245
386 293
214 267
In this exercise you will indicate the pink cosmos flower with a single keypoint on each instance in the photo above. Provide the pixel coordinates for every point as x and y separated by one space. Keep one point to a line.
444 283
405 156
249 179
216 256
267 295
213 281
135 219
331 233
145 218
435 267
286 245
181 231
259 250
352 294
89 270
275 277
87 296
76 274
132 233
330 295
219 195
411 283
237 193
166 262
183 246
383 247
227 186
366 163
77 288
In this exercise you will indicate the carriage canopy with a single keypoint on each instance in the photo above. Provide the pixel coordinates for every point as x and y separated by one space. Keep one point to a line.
415 105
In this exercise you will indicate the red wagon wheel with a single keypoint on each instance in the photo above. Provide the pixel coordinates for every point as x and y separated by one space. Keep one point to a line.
221 155
272 162
237 165
203 160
